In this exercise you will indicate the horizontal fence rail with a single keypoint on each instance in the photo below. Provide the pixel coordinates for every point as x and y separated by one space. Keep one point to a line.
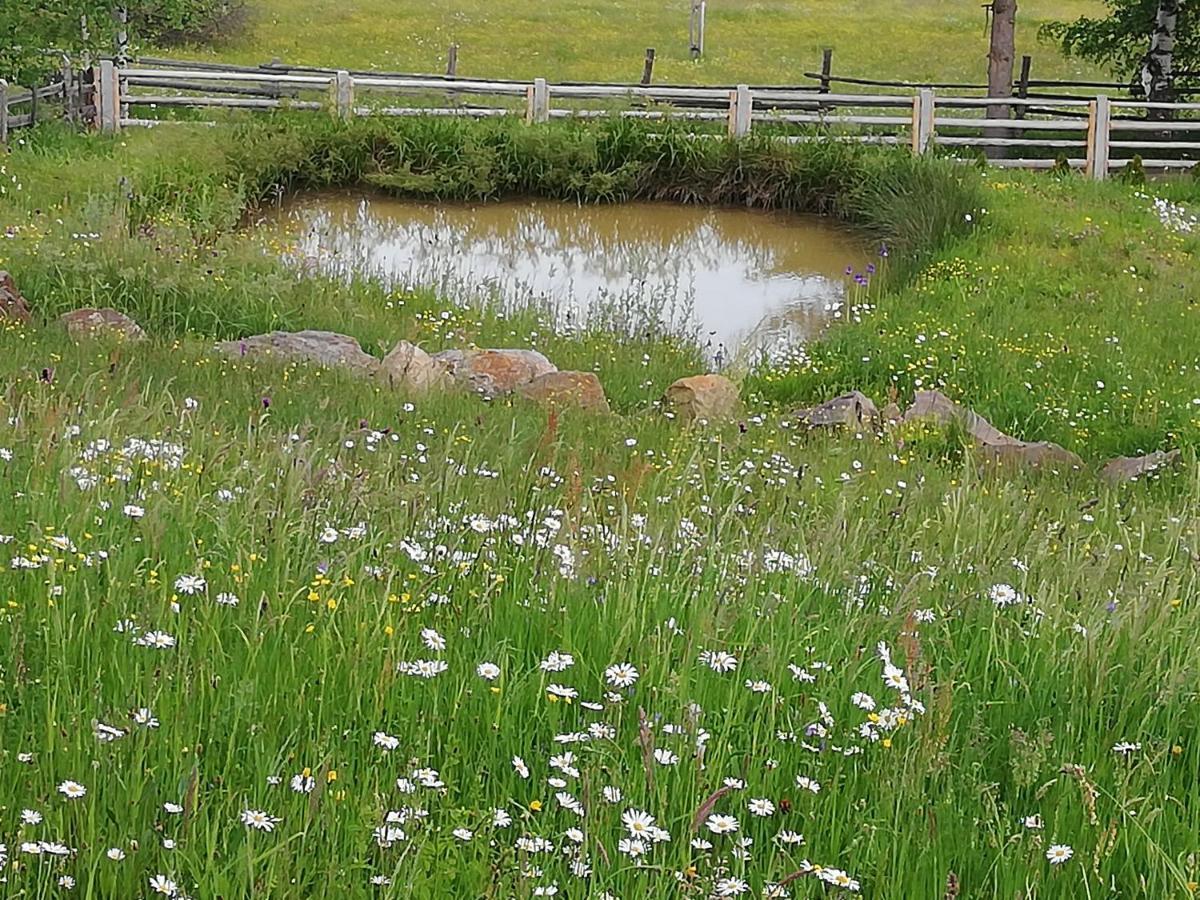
1098 134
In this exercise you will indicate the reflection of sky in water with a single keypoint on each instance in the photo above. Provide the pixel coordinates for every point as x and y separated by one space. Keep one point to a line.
749 278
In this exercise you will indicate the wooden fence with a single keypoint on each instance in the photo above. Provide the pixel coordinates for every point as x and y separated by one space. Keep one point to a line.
1098 134
22 107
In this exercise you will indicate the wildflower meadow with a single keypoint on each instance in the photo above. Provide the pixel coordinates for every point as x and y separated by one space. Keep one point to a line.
275 630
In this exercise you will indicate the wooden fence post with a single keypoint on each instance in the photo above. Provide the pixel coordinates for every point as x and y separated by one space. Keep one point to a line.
648 67
1023 85
343 95
826 69
108 104
741 109
68 86
696 28
537 109
3 112
924 106
1098 134
452 61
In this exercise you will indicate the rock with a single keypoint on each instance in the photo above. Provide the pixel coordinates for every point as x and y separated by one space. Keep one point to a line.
852 410
494 372
993 444
85 323
1130 468
1033 455
708 398
409 367
937 406
561 390
12 305
325 348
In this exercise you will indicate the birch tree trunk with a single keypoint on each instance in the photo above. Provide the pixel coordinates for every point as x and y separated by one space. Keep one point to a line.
1156 71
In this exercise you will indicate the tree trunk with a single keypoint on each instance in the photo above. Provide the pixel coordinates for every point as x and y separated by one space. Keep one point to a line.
1156 73
1000 67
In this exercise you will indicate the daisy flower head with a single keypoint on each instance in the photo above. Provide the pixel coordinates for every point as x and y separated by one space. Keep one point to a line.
721 824
718 660
259 820
190 584
761 806
1058 854
637 822
621 675
72 790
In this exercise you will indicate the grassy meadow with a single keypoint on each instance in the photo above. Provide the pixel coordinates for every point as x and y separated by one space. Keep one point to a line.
762 41
275 631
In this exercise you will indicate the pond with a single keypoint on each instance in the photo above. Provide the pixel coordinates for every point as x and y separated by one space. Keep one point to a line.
742 281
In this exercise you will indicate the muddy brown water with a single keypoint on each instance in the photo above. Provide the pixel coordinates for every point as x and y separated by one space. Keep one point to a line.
743 281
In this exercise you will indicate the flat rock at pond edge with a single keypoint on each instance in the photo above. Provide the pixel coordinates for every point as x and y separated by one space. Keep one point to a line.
494 372
326 348
12 305
702 398
85 323
1130 468
993 444
562 390
408 367
852 410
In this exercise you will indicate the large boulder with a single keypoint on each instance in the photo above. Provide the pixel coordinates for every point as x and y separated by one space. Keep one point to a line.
325 348
408 367
13 306
86 323
851 410
993 444
494 372
1130 468
560 390
702 398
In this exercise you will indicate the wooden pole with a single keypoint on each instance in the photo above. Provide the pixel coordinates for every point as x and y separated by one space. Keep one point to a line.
108 108
452 60
539 102
648 66
696 28
741 109
68 82
344 95
1098 134
3 112
923 121
33 103
826 68
1023 85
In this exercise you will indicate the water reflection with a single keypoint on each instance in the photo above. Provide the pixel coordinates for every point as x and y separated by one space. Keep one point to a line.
742 279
